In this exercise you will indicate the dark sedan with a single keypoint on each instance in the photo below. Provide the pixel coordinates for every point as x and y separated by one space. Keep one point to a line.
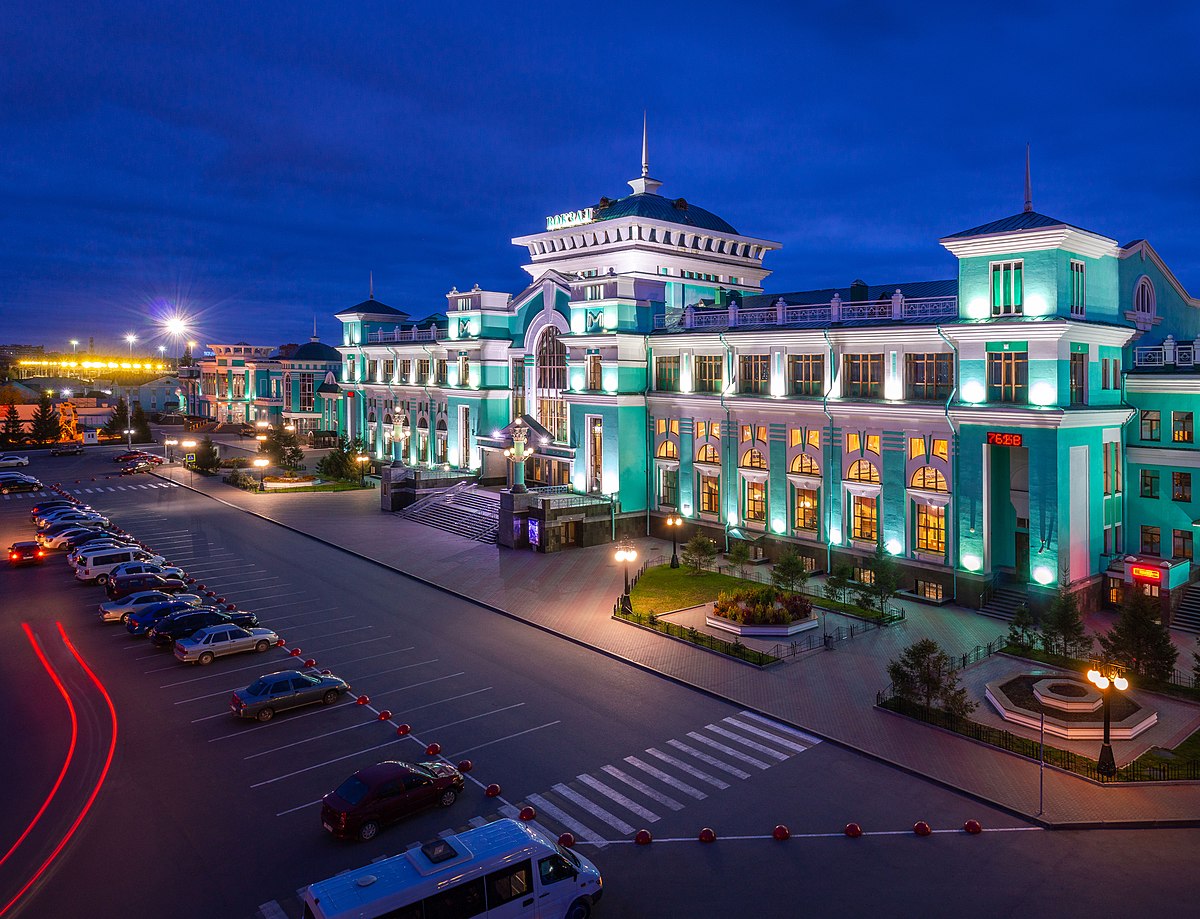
116 588
386 792
186 623
51 504
12 486
26 553
141 622
276 692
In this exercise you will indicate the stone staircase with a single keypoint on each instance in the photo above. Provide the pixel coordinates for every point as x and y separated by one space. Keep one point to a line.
1186 617
1004 601
467 512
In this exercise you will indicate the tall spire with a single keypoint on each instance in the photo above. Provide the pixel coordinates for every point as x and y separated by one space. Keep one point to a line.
371 287
1028 184
644 184
315 337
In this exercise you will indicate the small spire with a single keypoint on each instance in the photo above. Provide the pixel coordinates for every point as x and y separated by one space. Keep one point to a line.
371 290
315 337
643 184
1028 184
645 148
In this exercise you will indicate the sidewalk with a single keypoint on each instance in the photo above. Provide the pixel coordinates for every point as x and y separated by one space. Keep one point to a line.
829 693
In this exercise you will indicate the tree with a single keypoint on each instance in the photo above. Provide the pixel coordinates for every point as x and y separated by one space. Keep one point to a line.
738 556
789 572
1022 633
1138 641
141 427
118 421
698 552
926 674
283 449
10 434
44 428
339 463
837 582
885 581
1063 632
206 455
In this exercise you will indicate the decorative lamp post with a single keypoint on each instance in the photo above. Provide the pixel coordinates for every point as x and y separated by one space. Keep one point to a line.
674 521
362 459
170 443
625 554
518 454
1107 677
129 437
261 465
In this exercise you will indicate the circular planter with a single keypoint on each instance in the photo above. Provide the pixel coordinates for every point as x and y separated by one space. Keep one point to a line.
761 631
298 483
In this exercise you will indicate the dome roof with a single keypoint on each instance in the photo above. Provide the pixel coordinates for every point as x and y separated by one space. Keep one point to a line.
316 351
656 207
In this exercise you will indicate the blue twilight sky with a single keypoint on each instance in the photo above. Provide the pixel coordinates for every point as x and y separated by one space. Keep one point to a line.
252 162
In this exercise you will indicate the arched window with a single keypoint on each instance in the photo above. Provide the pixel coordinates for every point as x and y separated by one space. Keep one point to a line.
441 424
929 479
804 464
667 450
708 454
550 378
753 459
370 417
387 419
1143 298
863 471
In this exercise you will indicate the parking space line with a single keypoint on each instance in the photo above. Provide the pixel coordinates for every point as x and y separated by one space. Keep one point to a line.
436 679
360 628
297 743
262 727
328 762
208 569
548 724
351 644
306 625
294 603
451 724
199 678
368 676
292 810
223 692
311 612
239 579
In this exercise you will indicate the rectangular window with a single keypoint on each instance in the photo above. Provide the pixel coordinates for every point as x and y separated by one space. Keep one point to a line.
666 374
701 427
1181 486
423 372
806 372
746 433
518 386
754 374
1104 372
1077 288
756 501
865 518
668 487
862 574
916 448
929 590
714 429
941 449
708 376
306 392
1181 427
1181 544
1008 376
1008 288
440 371
710 494
814 439
406 371
667 426
595 374
928 376
853 443
1151 540
389 371
1107 457
862 376
1079 365
931 529
464 370
805 509
1151 425
873 444
1149 483
593 292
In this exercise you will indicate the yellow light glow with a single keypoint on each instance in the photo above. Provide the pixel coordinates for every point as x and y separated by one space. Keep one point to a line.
1093 675
1121 683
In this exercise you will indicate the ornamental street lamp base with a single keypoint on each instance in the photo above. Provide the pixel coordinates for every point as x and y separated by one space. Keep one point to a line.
1107 764
674 560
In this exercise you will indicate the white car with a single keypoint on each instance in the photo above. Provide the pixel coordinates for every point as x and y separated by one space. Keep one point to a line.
11 459
60 539
218 640
83 517
150 566
121 610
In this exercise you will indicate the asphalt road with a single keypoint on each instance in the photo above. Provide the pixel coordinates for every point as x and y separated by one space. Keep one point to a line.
200 815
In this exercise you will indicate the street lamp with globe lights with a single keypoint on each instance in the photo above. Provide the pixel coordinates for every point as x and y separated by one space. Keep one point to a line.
625 554
129 437
674 522
261 465
362 459
170 443
1106 677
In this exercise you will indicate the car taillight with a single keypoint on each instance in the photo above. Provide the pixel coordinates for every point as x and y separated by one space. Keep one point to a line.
341 819
40 553
15 556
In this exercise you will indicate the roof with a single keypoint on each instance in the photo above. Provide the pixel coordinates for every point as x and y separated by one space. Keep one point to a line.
327 388
912 290
371 305
316 351
656 207
1026 220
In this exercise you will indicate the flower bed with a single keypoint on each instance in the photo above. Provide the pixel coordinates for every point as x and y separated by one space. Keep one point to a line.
763 611
279 481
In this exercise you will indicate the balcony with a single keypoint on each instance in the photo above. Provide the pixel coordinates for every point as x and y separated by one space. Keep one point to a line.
433 334
1170 354
837 310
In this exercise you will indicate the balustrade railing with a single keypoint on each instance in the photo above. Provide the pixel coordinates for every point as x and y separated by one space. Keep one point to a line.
433 334
895 307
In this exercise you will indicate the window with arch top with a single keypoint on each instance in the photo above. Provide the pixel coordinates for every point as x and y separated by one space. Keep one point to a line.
1143 297
863 471
708 454
929 479
667 450
753 459
804 464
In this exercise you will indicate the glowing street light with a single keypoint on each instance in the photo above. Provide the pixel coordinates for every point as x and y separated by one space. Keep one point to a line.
261 465
130 338
172 443
74 346
129 437
162 352
674 521
1106 677
625 554
362 459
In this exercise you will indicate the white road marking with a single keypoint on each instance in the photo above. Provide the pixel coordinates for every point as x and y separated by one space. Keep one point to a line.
782 728
297 743
300 807
628 803
728 751
665 800
670 779
311 612
272 910
705 758
328 762
738 738
548 724
309 625
798 748
594 809
566 820
246 732
436 679
509 810
451 724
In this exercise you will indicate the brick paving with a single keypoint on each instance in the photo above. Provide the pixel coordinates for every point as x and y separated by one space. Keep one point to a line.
829 693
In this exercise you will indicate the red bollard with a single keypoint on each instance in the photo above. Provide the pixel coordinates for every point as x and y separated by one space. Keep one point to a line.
921 828
311 662
326 673
433 749
853 830
527 813
403 729
643 837
465 766
295 652
973 827
781 833
566 840
385 715
230 606
222 600
707 835
280 642
492 791
362 700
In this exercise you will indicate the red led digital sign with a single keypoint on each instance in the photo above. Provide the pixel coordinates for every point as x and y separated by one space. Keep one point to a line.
1001 439
1142 574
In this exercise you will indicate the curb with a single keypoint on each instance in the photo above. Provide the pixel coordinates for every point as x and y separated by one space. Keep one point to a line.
680 681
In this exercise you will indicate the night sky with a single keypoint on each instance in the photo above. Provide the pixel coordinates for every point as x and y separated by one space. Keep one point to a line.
252 162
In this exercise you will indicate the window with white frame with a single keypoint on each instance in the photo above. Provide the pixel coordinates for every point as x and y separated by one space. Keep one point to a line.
1077 287
1008 288
1143 298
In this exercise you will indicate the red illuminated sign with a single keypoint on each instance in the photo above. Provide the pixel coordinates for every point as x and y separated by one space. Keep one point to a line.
1000 439
1142 573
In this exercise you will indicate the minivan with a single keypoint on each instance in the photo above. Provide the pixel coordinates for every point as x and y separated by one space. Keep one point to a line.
95 565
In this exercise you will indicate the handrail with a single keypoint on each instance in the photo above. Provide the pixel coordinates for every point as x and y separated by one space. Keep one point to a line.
435 498
894 307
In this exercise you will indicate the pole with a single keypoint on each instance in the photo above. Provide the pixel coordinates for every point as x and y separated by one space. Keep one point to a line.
1042 763
626 580
674 546
1107 765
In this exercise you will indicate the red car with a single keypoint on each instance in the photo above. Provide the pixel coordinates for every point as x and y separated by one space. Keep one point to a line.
128 456
386 792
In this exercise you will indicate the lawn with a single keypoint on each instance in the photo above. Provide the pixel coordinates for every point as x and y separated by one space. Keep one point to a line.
664 588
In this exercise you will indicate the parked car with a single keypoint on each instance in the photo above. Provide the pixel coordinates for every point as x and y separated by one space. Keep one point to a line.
152 458
55 528
277 692
186 623
127 456
52 504
12 486
141 622
121 610
74 448
118 588
68 516
11 475
11 460
220 640
61 539
386 792
97 561
26 553
81 544
146 567
133 468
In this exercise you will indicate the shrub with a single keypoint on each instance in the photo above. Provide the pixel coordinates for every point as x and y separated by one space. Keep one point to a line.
236 462
762 606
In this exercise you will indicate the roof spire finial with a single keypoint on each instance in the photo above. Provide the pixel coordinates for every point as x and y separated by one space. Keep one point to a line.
371 286
315 337
645 148
1028 184
643 184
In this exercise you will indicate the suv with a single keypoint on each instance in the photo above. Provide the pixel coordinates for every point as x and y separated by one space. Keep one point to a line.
219 640
74 448
96 563
187 623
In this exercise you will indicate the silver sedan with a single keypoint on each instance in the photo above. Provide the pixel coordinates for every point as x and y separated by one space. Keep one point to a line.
216 641
121 610
275 692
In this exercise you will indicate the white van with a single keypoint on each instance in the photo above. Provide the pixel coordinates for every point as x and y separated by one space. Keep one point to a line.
96 565
501 870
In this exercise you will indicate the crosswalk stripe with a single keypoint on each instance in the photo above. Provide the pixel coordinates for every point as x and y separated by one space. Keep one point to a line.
611 793
87 491
110 488
477 822
665 800
705 758
781 728
565 819
738 738
671 780
594 809
728 751
799 748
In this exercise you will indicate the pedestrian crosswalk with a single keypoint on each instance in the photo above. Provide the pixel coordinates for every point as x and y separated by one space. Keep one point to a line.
90 490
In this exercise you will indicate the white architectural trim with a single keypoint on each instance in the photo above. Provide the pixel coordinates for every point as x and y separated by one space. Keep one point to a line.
1163 456
1174 383
1073 239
